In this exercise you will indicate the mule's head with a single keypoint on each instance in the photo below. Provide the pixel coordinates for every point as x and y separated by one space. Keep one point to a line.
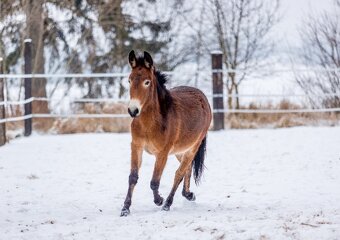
142 82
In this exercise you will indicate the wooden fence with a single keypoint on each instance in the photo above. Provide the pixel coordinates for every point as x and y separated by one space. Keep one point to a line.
217 97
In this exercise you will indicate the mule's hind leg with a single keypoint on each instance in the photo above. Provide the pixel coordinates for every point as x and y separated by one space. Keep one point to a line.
181 171
186 186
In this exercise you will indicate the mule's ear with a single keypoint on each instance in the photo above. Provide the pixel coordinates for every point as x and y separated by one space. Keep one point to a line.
148 60
132 59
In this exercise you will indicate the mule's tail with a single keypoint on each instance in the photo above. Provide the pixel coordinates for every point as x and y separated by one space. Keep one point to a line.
198 162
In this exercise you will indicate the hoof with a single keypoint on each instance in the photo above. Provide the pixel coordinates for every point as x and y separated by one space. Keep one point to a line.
190 196
158 201
125 212
166 208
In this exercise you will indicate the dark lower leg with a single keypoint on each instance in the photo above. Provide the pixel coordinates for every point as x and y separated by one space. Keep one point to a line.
170 198
186 186
133 178
186 162
158 200
157 173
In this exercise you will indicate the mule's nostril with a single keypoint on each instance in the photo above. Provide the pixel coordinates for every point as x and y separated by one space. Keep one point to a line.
133 112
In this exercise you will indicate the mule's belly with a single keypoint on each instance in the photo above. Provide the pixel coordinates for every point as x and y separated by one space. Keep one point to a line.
181 148
178 148
178 151
151 149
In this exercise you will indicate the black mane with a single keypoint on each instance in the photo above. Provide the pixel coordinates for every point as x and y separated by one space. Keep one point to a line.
162 79
164 97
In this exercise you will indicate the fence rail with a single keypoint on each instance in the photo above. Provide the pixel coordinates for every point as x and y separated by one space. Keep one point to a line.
302 110
274 95
39 115
217 97
106 100
23 102
68 75
99 100
115 115
96 100
125 74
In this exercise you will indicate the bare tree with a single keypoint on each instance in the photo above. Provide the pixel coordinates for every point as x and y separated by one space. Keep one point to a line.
35 31
195 42
2 108
242 28
321 50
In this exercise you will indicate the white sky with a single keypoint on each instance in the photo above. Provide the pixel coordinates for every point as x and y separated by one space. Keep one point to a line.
294 12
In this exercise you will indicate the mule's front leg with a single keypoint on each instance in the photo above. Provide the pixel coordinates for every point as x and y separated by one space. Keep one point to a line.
156 177
136 160
186 186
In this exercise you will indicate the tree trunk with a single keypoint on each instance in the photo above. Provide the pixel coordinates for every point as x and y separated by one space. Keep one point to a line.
233 89
2 110
230 98
35 31
237 97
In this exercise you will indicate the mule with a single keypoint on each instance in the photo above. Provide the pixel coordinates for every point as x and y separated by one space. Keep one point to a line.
165 122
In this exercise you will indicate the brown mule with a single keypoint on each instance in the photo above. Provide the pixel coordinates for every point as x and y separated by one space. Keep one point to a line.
165 122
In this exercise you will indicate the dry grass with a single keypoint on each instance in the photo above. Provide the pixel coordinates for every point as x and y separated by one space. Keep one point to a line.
278 120
15 129
74 125
16 111
85 125
235 121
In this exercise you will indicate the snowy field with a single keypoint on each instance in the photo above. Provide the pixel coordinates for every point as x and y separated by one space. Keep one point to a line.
259 184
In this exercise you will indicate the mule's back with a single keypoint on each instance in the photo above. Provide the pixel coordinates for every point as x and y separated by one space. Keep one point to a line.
192 100
193 113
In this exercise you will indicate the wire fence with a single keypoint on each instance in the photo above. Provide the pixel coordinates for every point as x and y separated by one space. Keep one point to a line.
125 74
125 100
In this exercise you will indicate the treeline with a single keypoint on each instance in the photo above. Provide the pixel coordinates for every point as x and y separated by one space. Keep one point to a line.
78 36
96 35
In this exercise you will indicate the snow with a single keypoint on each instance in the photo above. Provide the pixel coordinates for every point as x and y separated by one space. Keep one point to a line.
259 184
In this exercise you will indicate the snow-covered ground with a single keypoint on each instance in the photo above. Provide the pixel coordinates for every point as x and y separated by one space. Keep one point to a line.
259 184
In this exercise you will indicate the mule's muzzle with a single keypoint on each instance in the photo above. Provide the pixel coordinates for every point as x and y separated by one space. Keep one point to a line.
134 107
134 112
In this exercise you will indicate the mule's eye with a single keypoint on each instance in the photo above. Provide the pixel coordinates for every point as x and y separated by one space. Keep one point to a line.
147 83
129 81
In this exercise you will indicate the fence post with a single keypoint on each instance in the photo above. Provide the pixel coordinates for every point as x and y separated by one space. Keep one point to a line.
2 107
217 77
28 84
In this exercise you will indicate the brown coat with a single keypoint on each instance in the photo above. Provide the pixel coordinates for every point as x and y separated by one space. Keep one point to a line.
165 122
